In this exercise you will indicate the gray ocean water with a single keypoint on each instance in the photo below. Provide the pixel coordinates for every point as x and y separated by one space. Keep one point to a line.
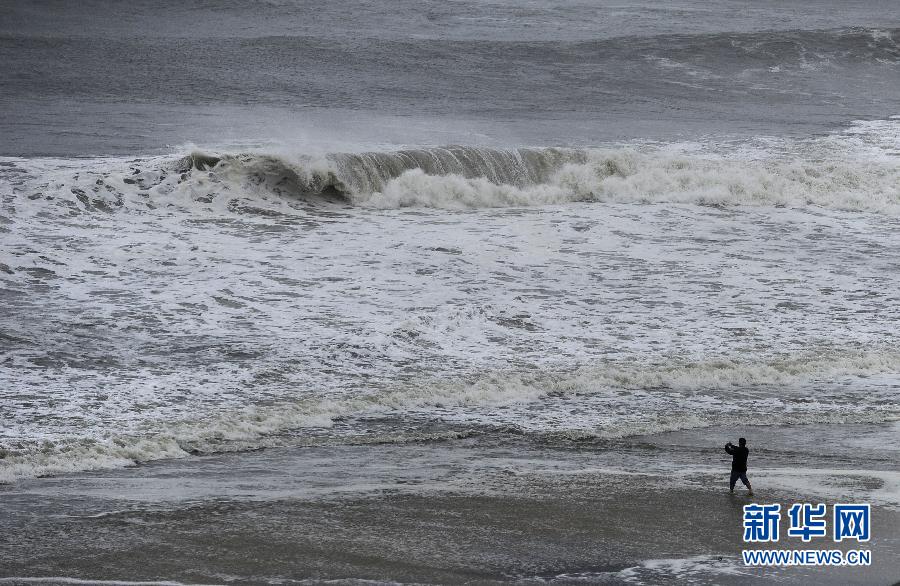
241 225
101 78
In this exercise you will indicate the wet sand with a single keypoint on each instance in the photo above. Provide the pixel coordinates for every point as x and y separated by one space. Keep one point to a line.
486 509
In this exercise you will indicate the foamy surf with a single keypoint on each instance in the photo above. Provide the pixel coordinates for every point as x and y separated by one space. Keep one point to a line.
855 169
600 402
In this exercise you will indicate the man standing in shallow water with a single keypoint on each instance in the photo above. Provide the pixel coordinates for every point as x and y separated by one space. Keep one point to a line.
739 455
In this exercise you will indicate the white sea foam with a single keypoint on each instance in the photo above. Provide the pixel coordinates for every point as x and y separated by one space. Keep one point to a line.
632 177
687 570
699 569
608 402
158 309
855 169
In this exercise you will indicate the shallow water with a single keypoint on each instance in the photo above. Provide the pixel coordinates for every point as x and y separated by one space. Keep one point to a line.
491 507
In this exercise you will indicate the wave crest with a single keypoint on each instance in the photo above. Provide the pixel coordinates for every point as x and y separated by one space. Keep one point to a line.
467 177
358 177
857 169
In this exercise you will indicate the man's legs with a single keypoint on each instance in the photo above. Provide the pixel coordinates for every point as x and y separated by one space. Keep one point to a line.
743 477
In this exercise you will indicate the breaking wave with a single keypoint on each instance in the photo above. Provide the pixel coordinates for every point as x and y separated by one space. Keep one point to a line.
469 177
359 176
459 177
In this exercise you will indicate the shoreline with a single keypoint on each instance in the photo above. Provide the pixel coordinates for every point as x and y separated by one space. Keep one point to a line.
476 510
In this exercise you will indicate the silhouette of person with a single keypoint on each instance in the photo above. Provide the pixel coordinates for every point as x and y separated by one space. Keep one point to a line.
739 455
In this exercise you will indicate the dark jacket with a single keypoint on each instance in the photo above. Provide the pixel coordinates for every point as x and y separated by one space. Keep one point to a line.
738 457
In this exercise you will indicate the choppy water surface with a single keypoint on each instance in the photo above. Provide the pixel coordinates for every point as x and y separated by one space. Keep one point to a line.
103 77
161 307
491 281
653 218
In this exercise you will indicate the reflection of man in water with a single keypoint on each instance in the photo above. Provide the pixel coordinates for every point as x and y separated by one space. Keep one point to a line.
739 463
